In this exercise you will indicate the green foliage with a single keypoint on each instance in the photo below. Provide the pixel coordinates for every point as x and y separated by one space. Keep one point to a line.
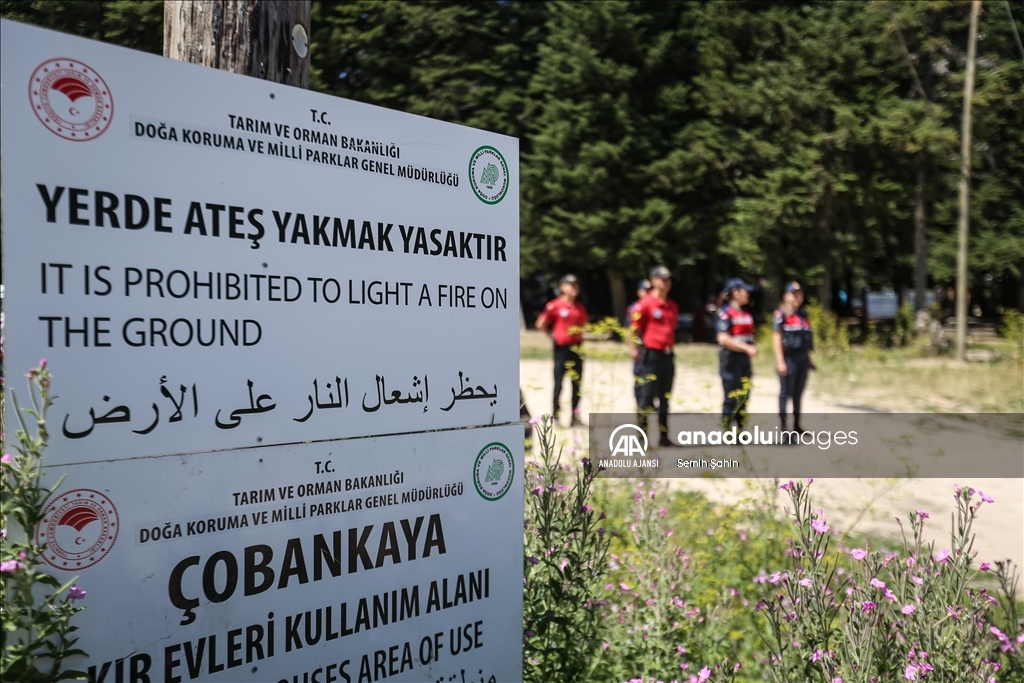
830 336
913 615
35 619
1012 330
136 24
565 556
685 574
903 326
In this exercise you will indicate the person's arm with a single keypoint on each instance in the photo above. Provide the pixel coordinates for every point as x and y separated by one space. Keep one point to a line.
727 341
636 326
780 357
542 320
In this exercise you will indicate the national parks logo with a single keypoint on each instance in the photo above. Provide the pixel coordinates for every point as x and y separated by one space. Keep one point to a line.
71 99
79 528
493 471
488 174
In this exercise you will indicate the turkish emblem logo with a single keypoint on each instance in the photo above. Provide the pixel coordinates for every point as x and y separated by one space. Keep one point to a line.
71 99
79 528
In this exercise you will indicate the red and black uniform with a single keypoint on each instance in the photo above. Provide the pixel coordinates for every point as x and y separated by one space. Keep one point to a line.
566 320
734 366
654 321
797 343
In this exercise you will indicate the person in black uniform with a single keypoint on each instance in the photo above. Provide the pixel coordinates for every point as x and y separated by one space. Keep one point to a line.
735 334
642 289
793 342
653 332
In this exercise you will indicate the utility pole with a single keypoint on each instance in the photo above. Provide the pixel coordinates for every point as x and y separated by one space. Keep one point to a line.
266 39
965 188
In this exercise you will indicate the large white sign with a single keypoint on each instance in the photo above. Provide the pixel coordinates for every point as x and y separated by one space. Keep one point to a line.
384 558
212 261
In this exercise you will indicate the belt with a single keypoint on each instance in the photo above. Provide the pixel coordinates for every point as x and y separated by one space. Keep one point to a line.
668 351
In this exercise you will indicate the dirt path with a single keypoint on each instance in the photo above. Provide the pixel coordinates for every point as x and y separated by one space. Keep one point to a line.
867 506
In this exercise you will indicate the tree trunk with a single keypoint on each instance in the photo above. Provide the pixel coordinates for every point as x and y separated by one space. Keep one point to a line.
825 227
618 290
965 189
268 39
1020 282
920 237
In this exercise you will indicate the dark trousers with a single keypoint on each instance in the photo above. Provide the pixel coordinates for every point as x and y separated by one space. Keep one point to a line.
798 364
734 367
654 381
567 362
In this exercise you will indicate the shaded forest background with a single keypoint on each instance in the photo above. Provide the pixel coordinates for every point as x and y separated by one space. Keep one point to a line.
771 140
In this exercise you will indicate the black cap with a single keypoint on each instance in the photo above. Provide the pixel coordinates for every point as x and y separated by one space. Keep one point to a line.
737 283
644 284
569 278
661 271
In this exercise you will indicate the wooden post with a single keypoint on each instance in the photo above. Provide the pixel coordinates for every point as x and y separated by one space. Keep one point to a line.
965 188
267 39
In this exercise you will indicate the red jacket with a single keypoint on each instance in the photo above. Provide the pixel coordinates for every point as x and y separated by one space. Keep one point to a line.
566 321
654 321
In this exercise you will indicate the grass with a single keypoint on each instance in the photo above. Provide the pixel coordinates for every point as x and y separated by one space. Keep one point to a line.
899 379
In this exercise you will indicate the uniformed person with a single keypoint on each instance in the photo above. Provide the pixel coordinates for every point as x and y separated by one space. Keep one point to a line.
793 342
735 334
564 318
653 333
642 289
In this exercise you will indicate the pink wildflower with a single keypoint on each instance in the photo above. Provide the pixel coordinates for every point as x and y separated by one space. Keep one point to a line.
820 526
908 609
985 497
5 458
923 514
704 675
76 593
943 555
877 584
859 554
10 566
917 579
867 605
787 486
985 566
910 673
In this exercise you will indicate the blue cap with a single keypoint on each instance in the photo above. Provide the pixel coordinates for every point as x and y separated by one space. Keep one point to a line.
793 286
737 283
644 284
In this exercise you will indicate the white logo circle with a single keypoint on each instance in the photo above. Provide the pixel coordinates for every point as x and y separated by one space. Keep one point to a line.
627 444
494 471
488 174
